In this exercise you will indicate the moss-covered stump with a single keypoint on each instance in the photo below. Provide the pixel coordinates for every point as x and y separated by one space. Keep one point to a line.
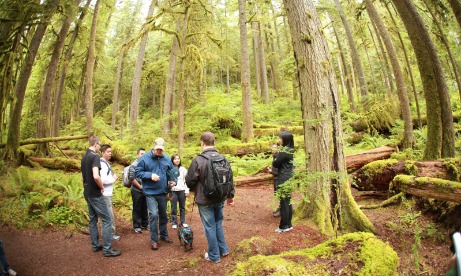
428 187
351 254
377 175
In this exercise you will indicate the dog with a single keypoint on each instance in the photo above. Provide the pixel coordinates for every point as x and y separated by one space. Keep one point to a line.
186 237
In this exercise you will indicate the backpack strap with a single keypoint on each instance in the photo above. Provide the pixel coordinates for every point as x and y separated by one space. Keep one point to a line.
108 166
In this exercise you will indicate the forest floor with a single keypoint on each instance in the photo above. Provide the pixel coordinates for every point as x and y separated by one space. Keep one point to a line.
61 252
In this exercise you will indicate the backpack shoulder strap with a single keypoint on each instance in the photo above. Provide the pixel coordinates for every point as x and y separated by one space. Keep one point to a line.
108 166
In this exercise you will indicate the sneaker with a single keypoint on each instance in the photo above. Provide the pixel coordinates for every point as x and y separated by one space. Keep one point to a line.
278 230
97 248
276 213
116 238
11 272
225 255
185 225
208 259
138 230
174 226
112 253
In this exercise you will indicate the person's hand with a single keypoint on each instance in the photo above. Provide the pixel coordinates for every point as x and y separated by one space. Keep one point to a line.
115 176
230 201
186 194
269 169
171 183
155 177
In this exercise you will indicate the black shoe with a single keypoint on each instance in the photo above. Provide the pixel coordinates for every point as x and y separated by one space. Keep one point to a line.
166 239
97 248
112 253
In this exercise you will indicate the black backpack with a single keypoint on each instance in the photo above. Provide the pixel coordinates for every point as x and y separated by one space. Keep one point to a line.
218 183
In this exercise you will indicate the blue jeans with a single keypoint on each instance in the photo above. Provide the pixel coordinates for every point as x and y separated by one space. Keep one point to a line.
97 207
3 260
108 200
212 217
156 204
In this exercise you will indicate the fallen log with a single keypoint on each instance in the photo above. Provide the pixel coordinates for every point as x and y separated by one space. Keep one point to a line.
58 163
254 180
377 175
428 187
47 140
356 161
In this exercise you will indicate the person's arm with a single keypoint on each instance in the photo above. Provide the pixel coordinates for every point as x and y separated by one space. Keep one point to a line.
132 178
97 178
281 158
140 171
182 179
231 194
192 175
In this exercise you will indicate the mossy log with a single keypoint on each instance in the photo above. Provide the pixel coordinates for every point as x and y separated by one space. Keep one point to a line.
254 180
275 131
70 165
428 187
50 139
377 175
356 161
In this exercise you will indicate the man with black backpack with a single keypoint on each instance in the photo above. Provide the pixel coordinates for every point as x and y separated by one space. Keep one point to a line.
210 175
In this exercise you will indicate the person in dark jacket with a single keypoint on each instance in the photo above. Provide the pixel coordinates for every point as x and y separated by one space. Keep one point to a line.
211 211
153 169
139 214
283 162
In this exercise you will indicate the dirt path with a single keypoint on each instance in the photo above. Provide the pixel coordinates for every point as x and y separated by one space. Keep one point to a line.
43 252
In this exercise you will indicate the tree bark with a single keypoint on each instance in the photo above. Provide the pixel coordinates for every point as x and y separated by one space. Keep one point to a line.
262 65
330 203
247 113
456 7
254 29
170 83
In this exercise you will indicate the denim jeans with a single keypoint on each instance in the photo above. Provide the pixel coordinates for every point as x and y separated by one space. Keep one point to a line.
212 216
156 204
108 200
181 197
139 214
3 260
97 207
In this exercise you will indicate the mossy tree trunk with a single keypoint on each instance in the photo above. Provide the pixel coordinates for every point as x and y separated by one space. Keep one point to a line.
329 203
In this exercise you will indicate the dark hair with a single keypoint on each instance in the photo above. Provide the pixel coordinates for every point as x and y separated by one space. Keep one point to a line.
140 149
104 147
207 138
93 140
287 139
173 157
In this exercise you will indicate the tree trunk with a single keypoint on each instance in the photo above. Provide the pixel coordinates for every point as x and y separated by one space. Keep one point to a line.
456 7
90 69
354 52
247 114
136 87
12 143
440 131
328 204
262 65
254 29
400 79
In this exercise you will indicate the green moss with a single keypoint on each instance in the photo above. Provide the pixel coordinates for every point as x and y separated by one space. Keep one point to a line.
377 167
253 246
355 254
452 165
411 168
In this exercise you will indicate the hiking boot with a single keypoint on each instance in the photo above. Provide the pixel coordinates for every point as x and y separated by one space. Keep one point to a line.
97 248
112 253
154 246
166 239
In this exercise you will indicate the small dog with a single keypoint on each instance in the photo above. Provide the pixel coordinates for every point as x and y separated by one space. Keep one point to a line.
186 237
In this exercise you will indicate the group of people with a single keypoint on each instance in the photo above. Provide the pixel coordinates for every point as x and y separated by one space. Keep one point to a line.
153 176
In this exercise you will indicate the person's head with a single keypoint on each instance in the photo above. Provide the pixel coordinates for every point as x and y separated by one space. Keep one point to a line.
207 139
176 160
286 139
140 152
106 152
95 143
275 147
159 146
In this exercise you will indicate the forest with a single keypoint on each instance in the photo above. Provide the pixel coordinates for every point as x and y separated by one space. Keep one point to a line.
371 90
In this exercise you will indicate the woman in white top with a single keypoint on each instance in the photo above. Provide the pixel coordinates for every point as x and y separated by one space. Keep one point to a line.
180 192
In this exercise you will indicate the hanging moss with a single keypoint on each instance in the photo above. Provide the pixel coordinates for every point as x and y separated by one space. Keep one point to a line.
356 253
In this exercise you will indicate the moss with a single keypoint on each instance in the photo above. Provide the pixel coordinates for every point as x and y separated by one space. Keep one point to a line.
452 165
356 253
253 246
377 167
411 168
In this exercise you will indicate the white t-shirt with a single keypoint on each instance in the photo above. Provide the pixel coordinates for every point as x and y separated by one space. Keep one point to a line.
107 177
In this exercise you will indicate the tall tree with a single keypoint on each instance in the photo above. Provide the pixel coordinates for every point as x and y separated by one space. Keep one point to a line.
136 88
247 113
353 48
90 69
440 130
12 143
456 7
329 203
407 141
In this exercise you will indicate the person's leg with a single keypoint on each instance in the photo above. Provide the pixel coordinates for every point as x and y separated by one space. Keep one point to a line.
182 206
152 206
163 218
290 213
3 259
219 216
93 224
144 213
102 211
207 215
108 200
174 208
285 221
136 213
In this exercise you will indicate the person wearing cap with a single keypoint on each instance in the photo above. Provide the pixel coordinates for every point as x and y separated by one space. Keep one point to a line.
153 169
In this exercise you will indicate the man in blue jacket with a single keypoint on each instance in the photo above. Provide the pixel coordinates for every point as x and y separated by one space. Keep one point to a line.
152 169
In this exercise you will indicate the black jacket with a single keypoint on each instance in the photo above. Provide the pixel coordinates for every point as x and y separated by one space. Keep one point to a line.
196 175
283 161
